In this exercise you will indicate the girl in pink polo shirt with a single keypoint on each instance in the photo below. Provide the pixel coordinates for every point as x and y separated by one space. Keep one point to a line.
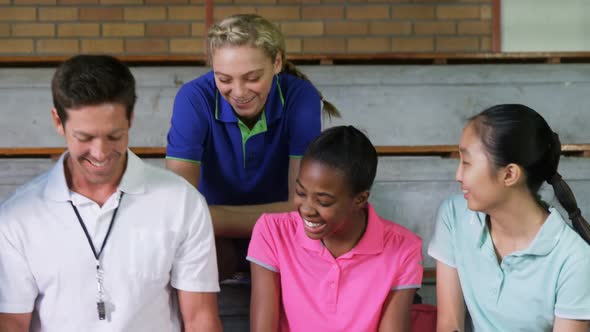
334 264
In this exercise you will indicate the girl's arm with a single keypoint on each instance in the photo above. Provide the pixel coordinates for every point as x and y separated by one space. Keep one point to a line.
449 298
264 304
396 311
570 325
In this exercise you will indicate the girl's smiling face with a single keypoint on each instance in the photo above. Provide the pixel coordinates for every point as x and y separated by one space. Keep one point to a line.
325 202
481 183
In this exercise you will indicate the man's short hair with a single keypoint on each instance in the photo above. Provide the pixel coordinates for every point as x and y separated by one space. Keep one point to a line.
89 80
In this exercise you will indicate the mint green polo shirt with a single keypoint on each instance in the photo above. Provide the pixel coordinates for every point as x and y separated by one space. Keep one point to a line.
529 287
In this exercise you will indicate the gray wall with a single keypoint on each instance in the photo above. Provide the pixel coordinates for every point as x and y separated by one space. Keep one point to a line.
395 105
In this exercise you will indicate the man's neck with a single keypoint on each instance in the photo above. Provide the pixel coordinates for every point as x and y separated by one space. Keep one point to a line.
97 192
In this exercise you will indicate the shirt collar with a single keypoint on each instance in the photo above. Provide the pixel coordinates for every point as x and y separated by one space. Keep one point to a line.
223 110
477 220
274 106
546 239
56 188
370 243
132 181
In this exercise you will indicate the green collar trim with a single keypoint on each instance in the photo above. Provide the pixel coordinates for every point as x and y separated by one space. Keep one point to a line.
280 91
216 104
259 128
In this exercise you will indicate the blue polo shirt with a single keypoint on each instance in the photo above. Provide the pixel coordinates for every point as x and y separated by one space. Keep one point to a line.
530 287
242 166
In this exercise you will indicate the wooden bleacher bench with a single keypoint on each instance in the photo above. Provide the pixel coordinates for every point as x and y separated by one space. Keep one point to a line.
423 58
444 151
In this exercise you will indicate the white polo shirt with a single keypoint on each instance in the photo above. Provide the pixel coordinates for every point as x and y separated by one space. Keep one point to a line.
162 237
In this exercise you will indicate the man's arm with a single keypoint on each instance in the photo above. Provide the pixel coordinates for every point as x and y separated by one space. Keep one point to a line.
264 304
396 314
449 298
15 322
199 311
236 221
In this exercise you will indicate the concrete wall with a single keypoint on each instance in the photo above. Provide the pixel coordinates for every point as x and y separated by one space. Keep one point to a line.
396 105
545 25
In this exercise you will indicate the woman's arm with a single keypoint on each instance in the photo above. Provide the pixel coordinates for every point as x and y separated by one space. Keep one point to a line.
190 171
264 304
396 314
236 221
570 325
449 298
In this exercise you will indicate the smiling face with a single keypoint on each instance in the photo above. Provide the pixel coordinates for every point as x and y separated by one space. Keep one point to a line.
97 140
244 75
481 184
324 201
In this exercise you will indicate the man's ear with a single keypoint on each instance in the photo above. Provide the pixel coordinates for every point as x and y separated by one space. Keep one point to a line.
361 199
59 126
131 118
512 175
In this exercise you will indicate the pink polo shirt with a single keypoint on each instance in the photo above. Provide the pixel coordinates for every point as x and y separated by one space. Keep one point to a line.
323 293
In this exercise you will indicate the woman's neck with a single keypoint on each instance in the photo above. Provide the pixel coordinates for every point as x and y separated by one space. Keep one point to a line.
342 242
515 224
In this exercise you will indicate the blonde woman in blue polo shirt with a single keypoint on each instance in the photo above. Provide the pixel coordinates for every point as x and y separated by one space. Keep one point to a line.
500 250
238 132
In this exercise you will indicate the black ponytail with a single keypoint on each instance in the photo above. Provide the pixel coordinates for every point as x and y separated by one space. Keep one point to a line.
566 198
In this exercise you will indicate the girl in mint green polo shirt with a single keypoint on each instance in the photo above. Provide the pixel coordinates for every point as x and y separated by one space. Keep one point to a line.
501 251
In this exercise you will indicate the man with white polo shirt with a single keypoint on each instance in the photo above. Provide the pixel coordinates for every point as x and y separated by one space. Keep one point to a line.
103 241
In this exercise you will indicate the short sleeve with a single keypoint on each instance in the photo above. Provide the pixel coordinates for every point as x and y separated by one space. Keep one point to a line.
573 291
411 269
441 244
304 115
195 263
189 125
262 249
18 290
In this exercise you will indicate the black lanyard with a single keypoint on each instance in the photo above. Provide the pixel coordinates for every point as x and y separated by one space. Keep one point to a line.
106 237
99 273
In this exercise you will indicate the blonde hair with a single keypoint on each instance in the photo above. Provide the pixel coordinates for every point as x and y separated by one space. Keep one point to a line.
256 31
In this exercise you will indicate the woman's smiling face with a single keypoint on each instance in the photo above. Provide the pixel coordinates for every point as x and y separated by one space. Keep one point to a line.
243 76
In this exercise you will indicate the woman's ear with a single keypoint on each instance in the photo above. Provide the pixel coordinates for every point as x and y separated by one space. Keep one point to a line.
361 199
512 175
278 64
